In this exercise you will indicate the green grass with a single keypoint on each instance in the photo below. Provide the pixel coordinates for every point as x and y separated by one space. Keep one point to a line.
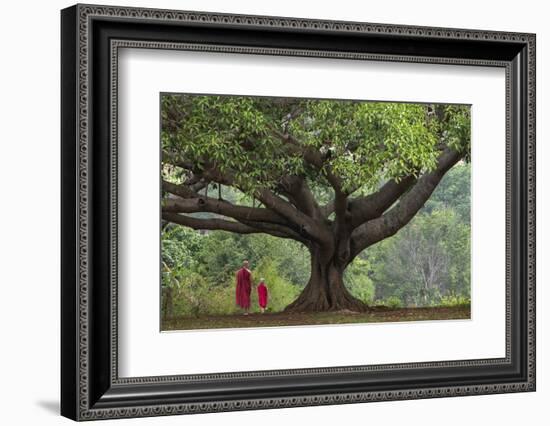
375 314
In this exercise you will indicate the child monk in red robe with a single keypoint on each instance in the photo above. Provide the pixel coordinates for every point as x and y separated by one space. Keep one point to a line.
262 295
244 286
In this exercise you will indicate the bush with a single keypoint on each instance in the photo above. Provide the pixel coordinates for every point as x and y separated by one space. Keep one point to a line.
280 291
358 282
188 293
455 301
392 302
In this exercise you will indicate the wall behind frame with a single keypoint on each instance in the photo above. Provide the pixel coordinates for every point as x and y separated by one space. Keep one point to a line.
30 225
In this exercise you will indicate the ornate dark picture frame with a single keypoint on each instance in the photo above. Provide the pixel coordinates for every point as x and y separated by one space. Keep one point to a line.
90 386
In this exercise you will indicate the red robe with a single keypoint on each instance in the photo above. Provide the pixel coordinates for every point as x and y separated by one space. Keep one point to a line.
262 295
243 288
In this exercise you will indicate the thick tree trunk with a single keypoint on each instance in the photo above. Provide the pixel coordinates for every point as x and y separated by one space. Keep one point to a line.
325 290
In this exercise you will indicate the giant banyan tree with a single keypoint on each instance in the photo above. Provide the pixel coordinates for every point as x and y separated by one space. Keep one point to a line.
336 176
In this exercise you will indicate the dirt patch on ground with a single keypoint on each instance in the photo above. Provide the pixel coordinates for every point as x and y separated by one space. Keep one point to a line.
278 319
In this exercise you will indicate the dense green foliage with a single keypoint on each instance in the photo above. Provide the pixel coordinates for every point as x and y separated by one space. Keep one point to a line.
427 263
361 142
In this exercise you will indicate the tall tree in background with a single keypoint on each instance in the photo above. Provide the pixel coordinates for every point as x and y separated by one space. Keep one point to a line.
429 260
337 176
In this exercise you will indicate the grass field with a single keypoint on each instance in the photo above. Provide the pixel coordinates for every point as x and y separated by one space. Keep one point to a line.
375 314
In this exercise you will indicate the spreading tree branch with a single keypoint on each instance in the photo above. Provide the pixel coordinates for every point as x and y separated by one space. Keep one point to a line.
398 216
306 224
192 202
261 219
374 205
209 224
231 226
296 189
311 156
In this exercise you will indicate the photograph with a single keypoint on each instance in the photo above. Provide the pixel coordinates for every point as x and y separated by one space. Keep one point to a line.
283 211
266 208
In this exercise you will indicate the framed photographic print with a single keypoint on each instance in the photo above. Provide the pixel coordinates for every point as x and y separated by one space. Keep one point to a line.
263 212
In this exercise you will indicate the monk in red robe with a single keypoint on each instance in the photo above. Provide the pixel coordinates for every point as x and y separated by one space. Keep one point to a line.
262 295
244 286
